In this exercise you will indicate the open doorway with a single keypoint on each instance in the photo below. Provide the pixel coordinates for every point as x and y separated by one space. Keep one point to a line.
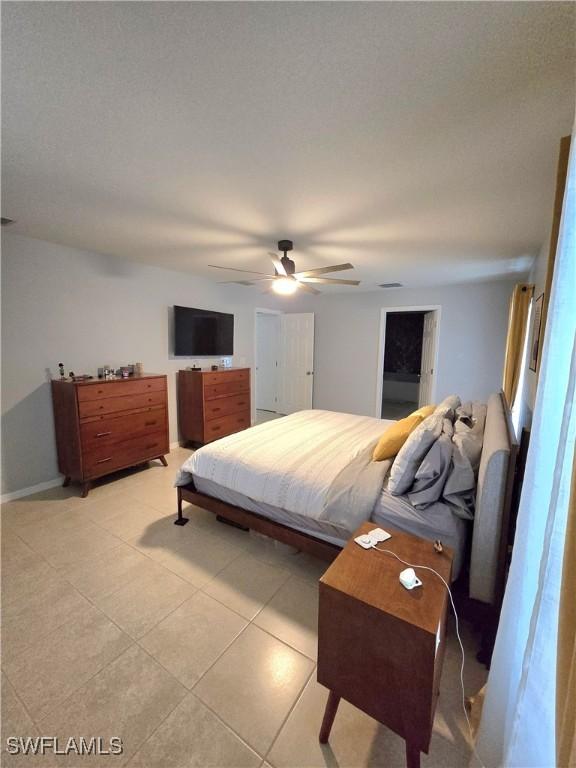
407 373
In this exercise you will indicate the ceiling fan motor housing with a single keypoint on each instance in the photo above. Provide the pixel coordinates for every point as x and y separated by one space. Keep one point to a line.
288 264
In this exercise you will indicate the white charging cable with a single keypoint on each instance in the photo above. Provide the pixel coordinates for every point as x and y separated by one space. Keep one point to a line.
427 568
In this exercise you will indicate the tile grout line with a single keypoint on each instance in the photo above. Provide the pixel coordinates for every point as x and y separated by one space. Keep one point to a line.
292 708
136 641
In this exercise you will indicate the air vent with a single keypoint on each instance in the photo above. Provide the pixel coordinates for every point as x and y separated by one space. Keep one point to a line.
390 285
6 222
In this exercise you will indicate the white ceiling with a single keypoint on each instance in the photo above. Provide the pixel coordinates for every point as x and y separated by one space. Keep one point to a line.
417 140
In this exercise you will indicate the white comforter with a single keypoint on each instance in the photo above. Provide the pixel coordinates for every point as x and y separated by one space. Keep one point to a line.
313 463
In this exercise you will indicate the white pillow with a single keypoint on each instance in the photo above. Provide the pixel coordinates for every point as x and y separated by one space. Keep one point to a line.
412 452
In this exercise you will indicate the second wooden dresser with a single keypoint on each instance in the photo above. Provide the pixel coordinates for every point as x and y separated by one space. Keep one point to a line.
212 404
106 425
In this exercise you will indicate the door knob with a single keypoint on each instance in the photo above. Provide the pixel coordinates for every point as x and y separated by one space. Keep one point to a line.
309 373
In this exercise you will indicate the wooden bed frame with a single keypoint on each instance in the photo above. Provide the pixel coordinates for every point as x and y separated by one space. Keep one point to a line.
250 520
326 551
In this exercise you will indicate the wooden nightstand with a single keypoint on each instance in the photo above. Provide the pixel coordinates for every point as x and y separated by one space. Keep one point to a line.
381 646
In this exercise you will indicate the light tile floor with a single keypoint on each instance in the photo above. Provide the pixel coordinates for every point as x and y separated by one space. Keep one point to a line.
262 416
195 645
397 409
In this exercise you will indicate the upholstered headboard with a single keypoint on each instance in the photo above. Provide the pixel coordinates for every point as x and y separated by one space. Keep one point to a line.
495 477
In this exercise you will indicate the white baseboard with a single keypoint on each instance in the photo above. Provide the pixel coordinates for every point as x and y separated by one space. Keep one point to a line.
32 489
46 486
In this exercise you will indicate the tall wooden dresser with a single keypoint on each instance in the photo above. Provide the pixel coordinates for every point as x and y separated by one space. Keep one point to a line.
212 404
106 425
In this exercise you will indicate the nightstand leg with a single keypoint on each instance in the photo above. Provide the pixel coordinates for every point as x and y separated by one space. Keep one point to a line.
412 756
86 488
329 715
163 461
66 482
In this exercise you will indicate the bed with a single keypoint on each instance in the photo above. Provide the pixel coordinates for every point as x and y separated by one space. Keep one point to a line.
308 480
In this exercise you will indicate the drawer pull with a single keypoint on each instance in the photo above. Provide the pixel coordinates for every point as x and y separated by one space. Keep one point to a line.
150 423
216 429
241 402
103 434
240 421
151 445
103 461
215 410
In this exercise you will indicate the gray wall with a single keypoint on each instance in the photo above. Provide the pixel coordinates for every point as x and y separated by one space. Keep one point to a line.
85 309
473 327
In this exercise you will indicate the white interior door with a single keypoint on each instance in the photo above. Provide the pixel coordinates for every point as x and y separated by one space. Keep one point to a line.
296 368
427 371
267 353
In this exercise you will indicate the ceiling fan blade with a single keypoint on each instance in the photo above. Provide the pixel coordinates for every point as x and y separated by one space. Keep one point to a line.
307 288
323 270
235 282
278 264
328 281
234 269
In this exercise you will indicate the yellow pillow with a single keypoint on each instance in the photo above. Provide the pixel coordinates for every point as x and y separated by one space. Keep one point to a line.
425 411
395 437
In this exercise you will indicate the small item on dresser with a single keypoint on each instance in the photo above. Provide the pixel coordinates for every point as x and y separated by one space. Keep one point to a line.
71 375
214 367
61 368
100 373
438 546
125 372
138 369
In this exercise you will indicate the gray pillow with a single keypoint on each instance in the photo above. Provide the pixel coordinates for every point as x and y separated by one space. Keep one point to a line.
412 452
432 473
448 406
460 488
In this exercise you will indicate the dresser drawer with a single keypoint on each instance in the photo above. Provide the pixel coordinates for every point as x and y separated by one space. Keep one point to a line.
219 377
105 459
120 388
227 425
224 406
113 429
116 404
226 388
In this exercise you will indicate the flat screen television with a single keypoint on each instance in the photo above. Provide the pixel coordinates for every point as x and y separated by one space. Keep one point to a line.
203 333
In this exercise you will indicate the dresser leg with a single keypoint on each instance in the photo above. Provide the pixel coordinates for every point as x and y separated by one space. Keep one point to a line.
163 461
329 715
66 482
86 489
412 756
180 520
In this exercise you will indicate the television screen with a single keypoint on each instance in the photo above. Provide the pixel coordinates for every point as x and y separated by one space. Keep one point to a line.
201 332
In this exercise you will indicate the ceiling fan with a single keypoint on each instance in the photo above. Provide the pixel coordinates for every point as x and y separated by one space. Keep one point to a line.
285 279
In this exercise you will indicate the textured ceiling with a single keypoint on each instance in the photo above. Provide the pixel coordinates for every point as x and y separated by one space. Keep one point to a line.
417 140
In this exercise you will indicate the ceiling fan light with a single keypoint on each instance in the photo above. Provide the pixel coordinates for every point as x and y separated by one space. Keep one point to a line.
285 286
